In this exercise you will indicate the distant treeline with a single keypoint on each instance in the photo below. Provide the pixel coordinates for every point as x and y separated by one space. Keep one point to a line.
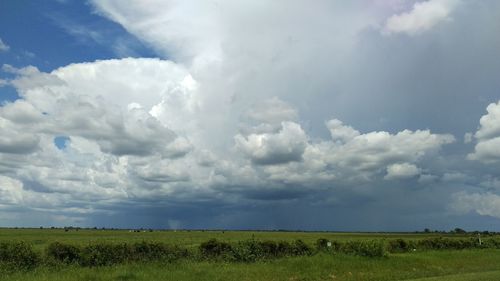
425 231
21 255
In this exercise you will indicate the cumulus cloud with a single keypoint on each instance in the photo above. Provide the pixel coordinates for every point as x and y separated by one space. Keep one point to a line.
489 124
401 171
99 97
12 140
267 149
488 136
340 132
21 111
486 204
118 147
3 47
377 149
10 190
423 16
236 115
351 156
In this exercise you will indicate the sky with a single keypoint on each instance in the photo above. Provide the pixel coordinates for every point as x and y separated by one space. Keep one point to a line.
363 115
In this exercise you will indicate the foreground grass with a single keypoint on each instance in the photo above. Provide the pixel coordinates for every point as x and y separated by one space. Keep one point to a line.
477 276
464 265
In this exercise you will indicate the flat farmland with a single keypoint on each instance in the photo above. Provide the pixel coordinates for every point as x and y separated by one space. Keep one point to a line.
192 238
415 264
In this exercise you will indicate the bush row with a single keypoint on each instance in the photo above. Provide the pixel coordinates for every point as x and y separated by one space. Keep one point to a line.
100 254
253 250
439 243
20 255
367 248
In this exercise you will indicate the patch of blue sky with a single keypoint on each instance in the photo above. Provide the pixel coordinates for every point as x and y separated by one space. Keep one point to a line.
8 94
61 142
51 34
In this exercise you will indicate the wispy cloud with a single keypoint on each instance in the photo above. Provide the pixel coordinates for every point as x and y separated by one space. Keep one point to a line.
3 46
121 45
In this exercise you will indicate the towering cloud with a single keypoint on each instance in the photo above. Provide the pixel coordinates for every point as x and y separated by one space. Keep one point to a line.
241 113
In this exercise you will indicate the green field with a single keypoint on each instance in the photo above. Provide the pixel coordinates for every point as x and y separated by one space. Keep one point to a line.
460 265
41 237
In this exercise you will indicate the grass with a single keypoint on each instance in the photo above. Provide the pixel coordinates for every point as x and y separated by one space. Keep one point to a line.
477 276
40 238
447 265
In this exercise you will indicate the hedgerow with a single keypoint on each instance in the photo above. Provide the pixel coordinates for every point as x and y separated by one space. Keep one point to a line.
21 255
18 255
252 250
367 248
102 254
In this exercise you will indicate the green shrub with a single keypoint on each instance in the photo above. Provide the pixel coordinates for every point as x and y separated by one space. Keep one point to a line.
300 248
271 249
63 252
103 254
491 243
214 249
401 245
155 251
367 248
18 255
440 243
322 244
247 251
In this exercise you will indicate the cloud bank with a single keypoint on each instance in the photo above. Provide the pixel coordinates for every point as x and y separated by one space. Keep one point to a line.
310 111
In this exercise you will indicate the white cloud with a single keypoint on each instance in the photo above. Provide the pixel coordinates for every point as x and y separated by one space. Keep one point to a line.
267 149
15 141
21 111
423 16
486 204
490 123
3 47
401 171
377 149
488 136
11 191
340 132
92 100
221 118
141 129
117 148
358 157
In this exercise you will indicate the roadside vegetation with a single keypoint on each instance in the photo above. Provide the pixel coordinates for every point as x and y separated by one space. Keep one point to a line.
342 259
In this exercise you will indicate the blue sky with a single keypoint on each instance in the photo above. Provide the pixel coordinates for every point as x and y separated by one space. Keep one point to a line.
51 34
359 115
